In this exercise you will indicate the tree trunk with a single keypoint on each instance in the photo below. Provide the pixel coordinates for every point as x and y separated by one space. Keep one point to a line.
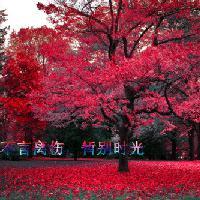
112 48
198 146
123 152
174 149
174 145
191 144
31 148
4 126
29 139
75 155
123 163
197 128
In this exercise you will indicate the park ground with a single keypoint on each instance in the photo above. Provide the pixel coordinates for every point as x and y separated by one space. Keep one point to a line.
54 178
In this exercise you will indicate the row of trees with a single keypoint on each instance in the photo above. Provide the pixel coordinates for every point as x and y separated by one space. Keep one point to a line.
118 64
3 32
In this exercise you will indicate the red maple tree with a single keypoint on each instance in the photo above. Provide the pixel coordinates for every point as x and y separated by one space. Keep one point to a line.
145 41
20 74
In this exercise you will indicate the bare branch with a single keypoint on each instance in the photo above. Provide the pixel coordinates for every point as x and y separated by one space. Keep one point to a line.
139 39
112 14
118 15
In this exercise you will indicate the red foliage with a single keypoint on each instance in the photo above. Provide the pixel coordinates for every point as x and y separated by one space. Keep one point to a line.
145 177
21 73
146 40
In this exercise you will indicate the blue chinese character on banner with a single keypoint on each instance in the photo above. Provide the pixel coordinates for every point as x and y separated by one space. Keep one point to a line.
40 148
104 148
137 149
116 147
56 148
23 149
88 148
119 148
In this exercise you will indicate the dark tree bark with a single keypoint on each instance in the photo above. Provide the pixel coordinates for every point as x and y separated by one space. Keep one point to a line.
3 135
75 155
197 129
112 48
123 131
29 139
198 147
123 156
174 145
191 144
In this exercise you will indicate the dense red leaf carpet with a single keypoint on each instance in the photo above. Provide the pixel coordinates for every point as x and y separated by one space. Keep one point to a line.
145 177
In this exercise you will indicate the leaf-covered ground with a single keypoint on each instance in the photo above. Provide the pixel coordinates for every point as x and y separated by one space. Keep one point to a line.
145 179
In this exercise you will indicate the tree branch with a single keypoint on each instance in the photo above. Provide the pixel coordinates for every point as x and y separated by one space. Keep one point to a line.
176 39
106 117
112 14
138 40
118 15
